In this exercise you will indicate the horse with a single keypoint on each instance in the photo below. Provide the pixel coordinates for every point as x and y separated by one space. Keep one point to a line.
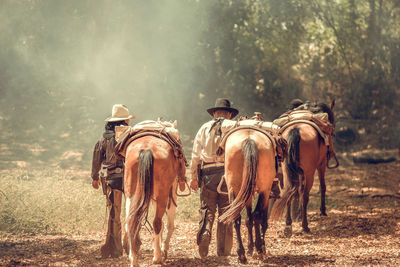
307 153
151 171
249 168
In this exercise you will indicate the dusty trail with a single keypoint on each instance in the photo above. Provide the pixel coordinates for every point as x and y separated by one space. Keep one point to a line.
362 228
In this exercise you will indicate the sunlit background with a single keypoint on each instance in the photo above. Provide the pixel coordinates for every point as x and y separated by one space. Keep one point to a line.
63 64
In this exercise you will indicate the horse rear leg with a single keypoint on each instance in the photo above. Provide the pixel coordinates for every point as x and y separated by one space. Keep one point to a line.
170 223
249 224
240 251
287 232
305 191
236 223
132 243
322 189
158 226
261 220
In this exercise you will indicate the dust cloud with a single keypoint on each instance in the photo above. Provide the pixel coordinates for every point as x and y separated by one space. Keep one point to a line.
65 63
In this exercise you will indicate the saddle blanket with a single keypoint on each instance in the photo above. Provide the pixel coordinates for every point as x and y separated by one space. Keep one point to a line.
149 125
265 125
300 115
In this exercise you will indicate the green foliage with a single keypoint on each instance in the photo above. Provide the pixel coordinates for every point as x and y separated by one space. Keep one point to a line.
65 64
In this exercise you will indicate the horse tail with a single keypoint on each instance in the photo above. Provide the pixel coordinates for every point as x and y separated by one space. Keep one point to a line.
144 191
250 154
293 170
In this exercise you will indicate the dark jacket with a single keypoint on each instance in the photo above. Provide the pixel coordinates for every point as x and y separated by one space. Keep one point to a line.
103 154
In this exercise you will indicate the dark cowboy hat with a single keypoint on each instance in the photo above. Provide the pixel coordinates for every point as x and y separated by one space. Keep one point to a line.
223 104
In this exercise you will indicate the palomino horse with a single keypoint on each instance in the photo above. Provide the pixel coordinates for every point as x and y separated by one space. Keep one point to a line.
249 168
151 171
307 153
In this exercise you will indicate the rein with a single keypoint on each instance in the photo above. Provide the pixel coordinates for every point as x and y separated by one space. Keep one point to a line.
184 195
220 185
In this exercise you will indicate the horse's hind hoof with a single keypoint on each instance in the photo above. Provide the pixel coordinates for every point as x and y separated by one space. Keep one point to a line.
157 261
249 252
323 214
165 255
242 259
259 256
287 232
306 230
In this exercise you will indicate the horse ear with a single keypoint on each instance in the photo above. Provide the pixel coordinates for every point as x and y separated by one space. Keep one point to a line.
175 124
333 104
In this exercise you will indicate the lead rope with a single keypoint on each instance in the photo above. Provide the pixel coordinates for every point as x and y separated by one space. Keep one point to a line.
220 185
184 195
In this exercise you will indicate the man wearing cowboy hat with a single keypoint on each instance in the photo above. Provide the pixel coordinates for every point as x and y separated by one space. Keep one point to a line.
112 172
207 169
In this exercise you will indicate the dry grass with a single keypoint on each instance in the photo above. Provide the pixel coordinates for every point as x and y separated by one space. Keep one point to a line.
50 201
57 201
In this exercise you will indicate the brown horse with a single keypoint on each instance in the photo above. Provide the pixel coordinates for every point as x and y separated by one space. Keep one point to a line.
249 168
151 171
307 153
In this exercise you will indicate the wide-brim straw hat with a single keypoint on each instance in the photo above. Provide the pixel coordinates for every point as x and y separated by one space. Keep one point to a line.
223 104
120 113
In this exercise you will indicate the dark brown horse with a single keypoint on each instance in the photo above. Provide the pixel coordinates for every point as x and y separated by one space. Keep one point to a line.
307 154
249 168
151 171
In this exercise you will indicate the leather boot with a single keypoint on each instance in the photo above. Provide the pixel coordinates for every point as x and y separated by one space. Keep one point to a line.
113 245
205 239
115 214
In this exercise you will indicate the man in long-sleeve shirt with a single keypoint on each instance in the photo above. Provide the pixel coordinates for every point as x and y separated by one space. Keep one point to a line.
112 169
207 170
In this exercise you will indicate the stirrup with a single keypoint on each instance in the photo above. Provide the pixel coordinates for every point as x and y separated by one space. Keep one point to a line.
329 158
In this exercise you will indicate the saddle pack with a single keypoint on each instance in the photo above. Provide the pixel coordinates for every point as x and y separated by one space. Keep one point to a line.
161 129
269 129
317 119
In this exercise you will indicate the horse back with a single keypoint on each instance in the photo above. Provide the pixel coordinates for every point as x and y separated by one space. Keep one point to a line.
234 159
164 161
311 146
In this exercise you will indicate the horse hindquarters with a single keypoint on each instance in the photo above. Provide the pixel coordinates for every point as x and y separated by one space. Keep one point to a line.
247 181
138 205
250 165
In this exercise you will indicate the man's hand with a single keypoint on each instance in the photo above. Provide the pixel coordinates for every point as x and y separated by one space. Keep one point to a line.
96 183
194 185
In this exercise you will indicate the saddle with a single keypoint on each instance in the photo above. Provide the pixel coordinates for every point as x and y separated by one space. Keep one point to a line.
163 130
319 121
269 129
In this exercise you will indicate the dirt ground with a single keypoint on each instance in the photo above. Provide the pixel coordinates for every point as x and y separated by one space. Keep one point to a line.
362 228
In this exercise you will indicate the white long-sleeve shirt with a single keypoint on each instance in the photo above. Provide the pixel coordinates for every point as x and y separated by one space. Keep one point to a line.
205 146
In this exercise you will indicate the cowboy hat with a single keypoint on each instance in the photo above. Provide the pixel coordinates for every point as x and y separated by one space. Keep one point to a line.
120 113
223 104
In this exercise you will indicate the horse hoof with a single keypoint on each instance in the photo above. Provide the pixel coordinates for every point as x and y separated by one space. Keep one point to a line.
323 213
242 259
259 256
287 232
165 255
157 261
306 230
250 252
